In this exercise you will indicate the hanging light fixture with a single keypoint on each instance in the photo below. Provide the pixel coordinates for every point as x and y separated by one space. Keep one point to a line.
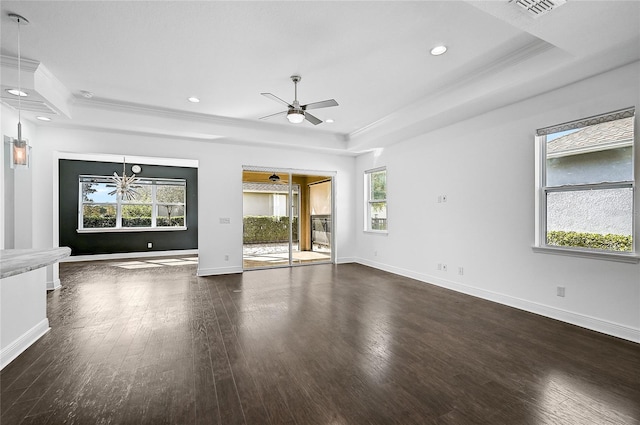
125 186
20 152
274 178
295 116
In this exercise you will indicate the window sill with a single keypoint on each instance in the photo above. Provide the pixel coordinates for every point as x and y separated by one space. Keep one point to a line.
132 229
597 255
377 232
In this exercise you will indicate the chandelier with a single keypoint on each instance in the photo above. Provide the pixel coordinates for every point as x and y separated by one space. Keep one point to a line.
125 185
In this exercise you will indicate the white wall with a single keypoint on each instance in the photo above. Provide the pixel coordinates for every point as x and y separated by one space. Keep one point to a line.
217 198
23 313
485 166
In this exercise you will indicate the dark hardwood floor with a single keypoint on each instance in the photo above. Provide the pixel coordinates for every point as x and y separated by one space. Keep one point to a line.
318 344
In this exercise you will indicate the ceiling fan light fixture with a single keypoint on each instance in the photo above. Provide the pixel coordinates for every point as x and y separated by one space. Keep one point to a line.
295 116
297 113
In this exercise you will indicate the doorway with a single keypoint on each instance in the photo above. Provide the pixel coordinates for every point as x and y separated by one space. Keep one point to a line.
287 218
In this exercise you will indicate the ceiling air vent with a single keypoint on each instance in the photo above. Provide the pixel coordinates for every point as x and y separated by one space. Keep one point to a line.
37 106
536 8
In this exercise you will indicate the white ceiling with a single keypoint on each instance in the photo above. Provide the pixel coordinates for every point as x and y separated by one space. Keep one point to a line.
142 59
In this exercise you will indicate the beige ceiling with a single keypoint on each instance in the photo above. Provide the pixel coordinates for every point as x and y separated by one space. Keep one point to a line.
142 59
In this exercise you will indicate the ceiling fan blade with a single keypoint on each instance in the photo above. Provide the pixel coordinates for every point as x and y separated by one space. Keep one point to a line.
277 99
318 105
313 120
274 115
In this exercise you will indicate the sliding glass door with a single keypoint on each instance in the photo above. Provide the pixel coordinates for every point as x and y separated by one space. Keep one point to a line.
286 218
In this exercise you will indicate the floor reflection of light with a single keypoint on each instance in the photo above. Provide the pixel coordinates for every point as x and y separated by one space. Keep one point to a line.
378 342
582 402
124 311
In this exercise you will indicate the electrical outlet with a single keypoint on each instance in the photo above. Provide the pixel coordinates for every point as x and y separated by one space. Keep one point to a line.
444 267
375 253
226 257
444 198
560 291
460 270
149 245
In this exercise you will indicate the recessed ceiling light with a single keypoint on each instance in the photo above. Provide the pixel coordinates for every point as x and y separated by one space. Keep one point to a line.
193 99
17 92
43 118
330 120
438 50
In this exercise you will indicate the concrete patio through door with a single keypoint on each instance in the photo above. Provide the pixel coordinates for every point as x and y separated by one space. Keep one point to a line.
277 254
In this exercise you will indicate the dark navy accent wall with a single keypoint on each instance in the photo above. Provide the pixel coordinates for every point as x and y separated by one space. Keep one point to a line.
120 242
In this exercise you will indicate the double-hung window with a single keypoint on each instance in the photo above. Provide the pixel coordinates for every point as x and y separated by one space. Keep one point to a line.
585 195
376 200
159 204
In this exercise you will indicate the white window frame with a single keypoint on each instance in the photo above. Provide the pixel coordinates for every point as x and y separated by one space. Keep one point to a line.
541 191
153 182
368 201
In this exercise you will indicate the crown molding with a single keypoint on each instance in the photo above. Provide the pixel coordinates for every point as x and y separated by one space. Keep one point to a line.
25 64
137 108
108 115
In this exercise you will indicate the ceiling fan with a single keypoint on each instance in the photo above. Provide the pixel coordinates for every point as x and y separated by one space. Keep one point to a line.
297 113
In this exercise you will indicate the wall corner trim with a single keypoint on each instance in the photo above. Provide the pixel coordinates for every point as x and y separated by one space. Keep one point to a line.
52 285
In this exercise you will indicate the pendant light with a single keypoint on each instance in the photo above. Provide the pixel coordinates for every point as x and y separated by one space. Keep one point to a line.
20 152
125 186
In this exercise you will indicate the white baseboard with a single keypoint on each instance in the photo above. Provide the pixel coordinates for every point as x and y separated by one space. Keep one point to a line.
14 349
588 322
124 255
53 285
218 270
346 260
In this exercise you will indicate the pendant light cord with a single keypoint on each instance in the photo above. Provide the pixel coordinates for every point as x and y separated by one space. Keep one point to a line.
19 86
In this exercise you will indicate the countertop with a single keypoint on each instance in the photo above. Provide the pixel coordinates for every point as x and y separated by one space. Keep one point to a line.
18 261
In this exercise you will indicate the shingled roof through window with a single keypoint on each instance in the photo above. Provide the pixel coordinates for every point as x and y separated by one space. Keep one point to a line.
593 138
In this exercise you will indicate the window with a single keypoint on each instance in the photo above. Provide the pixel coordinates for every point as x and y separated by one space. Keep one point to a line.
160 204
586 185
376 200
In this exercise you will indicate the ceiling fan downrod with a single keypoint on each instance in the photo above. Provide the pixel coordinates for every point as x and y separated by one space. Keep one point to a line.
296 79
